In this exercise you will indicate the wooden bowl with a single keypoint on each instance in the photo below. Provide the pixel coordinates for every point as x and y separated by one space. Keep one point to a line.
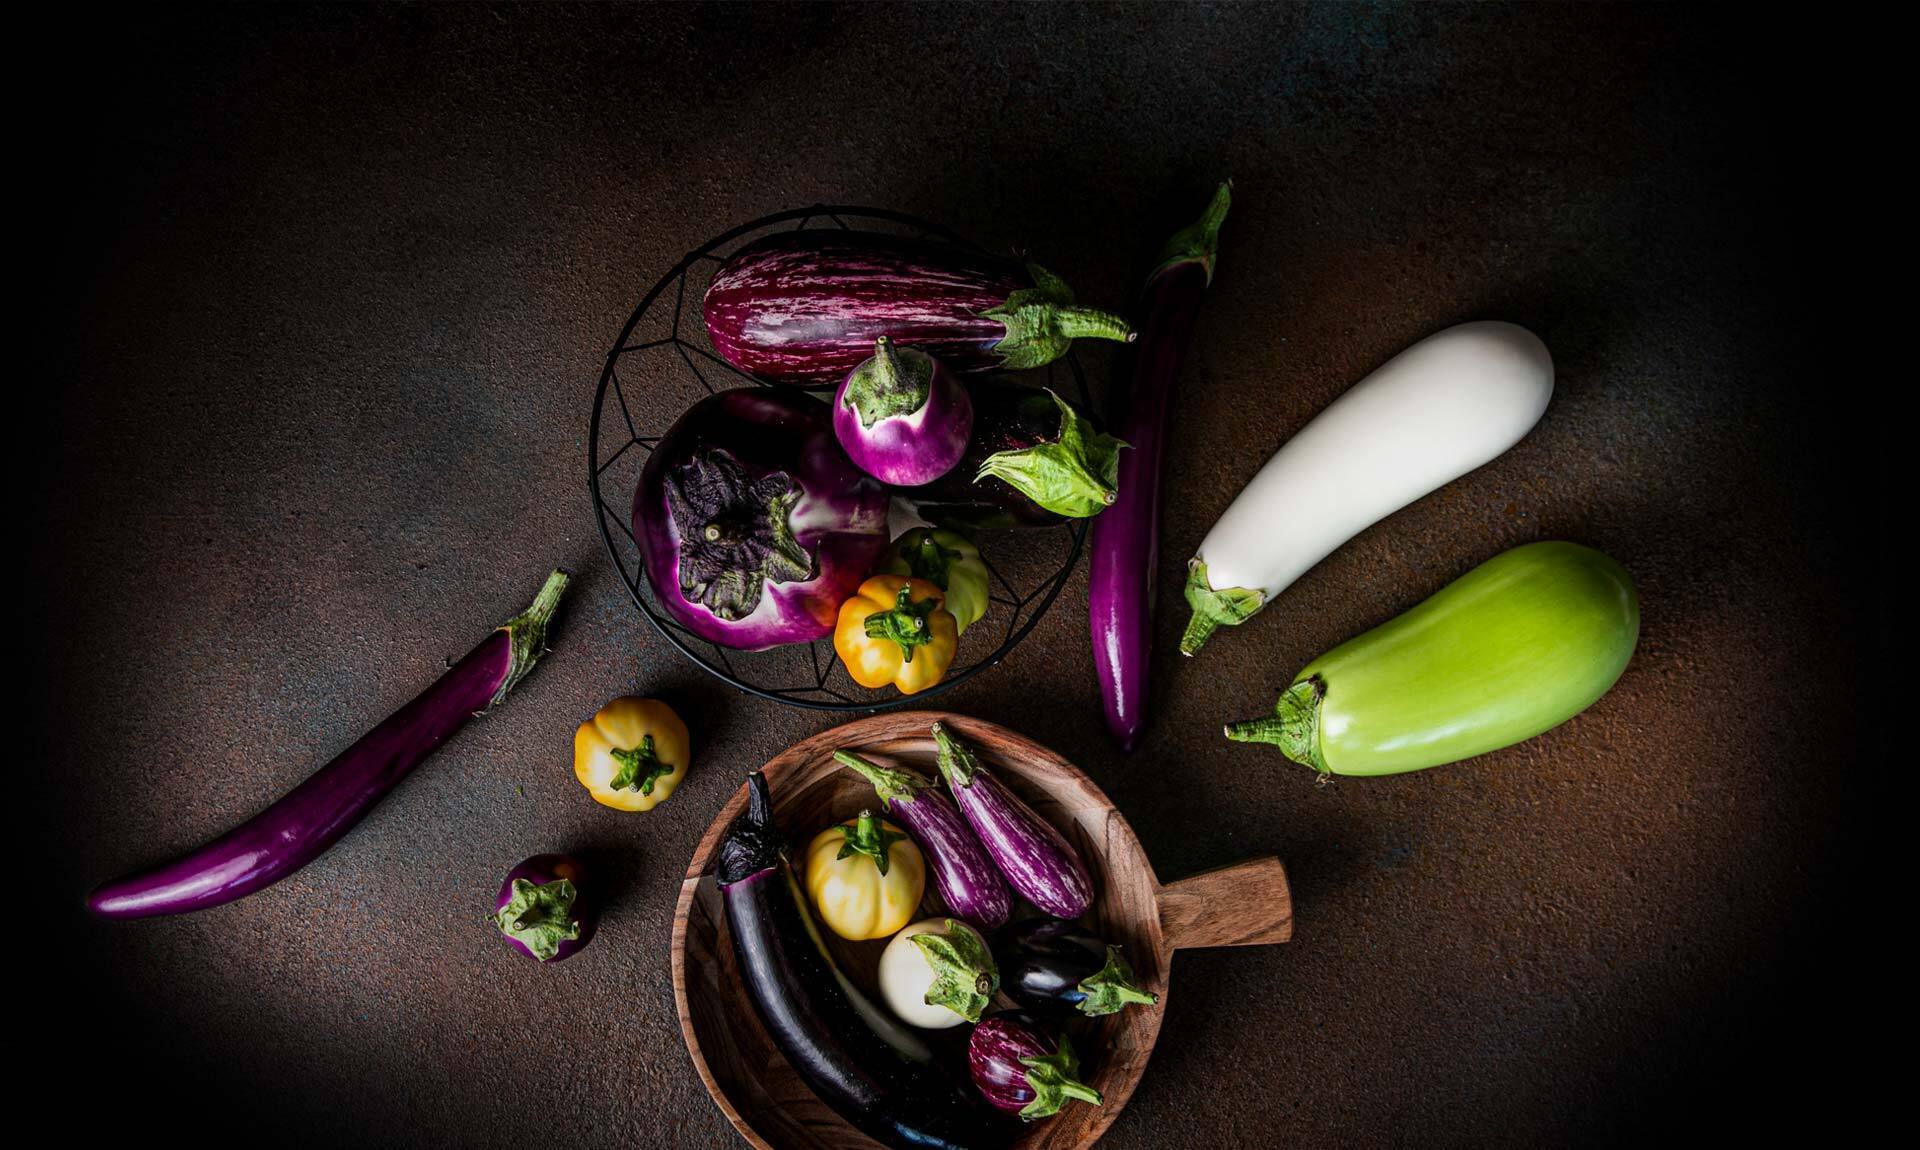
764 1098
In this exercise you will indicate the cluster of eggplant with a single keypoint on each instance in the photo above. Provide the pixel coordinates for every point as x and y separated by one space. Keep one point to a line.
763 511
980 845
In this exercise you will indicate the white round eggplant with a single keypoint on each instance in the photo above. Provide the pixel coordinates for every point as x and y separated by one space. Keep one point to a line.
938 973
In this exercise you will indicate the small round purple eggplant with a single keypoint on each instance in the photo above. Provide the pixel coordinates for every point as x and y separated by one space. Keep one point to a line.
540 909
1019 1068
902 417
1055 967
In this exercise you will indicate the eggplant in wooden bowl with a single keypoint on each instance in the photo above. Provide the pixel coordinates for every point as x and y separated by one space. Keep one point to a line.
800 1033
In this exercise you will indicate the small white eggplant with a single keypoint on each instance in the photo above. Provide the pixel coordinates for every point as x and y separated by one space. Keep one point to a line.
1424 418
938 973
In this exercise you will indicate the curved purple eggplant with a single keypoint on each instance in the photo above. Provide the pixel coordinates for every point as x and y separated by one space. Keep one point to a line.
805 307
1036 859
544 910
872 1071
902 417
966 878
1019 1068
753 525
314 815
1124 555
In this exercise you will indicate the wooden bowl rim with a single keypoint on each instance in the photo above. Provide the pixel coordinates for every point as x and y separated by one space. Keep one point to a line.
847 734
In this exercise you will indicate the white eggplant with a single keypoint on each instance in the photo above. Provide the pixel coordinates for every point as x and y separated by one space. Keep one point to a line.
1427 416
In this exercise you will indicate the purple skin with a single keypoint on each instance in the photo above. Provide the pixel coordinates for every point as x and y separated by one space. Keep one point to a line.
1001 1053
314 815
1036 859
1125 551
541 871
966 878
779 527
805 307
902 417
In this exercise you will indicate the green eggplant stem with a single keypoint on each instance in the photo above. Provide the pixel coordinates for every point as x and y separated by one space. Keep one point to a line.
1294 726
1213 609
865 836
893 786
905 624
639 767
527 632
540 916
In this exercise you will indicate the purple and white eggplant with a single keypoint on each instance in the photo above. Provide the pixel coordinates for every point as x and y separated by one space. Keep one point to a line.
543 910
805 307
902 417
968 882
1019 1068
753 525
1036 859
330 802
1033 460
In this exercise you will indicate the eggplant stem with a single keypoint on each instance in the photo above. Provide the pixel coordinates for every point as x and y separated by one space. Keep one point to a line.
527 632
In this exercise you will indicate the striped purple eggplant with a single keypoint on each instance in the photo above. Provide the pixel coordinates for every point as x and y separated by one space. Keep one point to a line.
966 878
1039 863
1123 559
1019 1068
805 307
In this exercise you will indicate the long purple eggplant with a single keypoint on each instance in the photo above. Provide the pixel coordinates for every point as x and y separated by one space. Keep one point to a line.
314 815
966 878
805 307
1126 538
1037 860
871 1070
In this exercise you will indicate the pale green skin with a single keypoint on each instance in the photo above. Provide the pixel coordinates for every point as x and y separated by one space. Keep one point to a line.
1517 646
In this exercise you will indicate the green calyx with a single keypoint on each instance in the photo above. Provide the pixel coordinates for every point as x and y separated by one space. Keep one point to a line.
539 916
1052 1078
926 559
905 624
736 533
865 836
964 974
1213 609
1042 322
527 632
1112 989
1199 242
893 786
956 758
1294 726
1076 475
894 382
639 767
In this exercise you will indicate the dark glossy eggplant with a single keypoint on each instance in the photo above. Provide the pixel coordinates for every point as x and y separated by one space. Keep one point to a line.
805 307
872 1071
1033 461
314 815
1019 1068
1055 967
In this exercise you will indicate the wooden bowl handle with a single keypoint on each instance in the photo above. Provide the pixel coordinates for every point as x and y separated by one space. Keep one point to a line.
1246 904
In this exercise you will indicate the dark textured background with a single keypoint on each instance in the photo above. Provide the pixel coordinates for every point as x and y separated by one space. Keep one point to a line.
324 296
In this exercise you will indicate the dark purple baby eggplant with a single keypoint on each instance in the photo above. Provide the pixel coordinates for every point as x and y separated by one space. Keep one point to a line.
543 910
1020 1069
1036 859
314 815
1055 967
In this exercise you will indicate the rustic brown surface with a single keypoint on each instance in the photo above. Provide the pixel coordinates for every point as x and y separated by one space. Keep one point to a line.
325 293
1247 903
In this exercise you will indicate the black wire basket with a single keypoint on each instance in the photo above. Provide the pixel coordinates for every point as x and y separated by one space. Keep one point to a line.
663 363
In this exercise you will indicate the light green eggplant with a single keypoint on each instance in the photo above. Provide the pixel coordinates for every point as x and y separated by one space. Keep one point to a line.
1516 646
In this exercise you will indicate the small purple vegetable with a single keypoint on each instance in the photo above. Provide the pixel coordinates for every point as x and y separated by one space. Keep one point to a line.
805 307
542 910
1020 1069
1035 858
902 417
753 525
966 878
1124 555
1056 967
874 1072
314 815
